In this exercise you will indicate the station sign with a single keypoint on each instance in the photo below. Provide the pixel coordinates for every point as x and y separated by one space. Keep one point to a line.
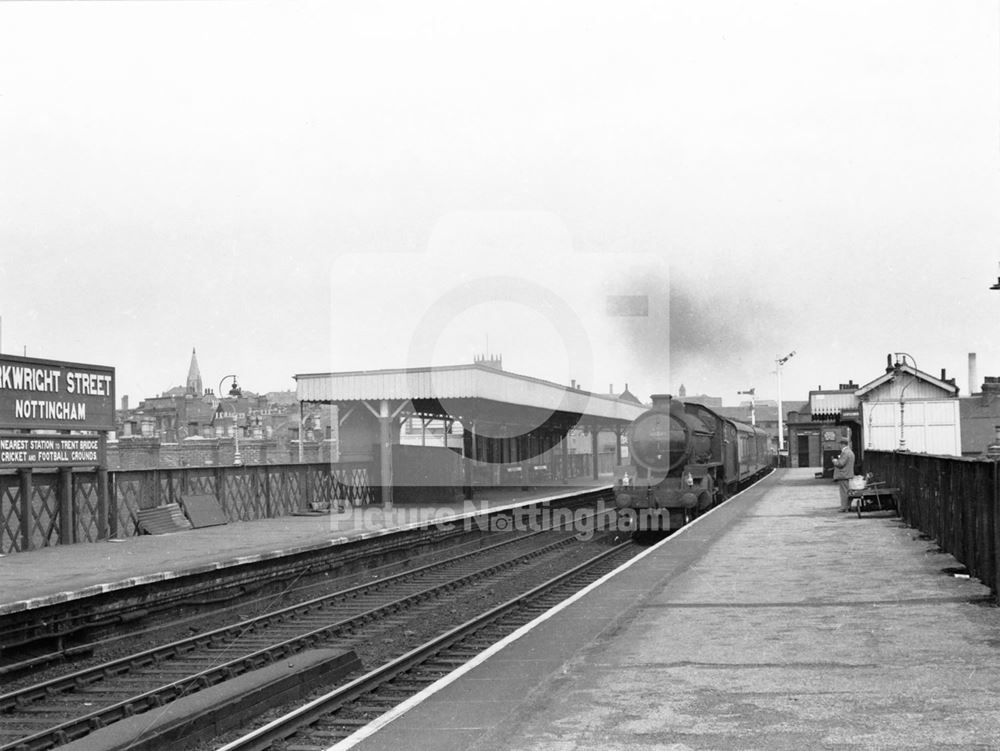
21 450
51 395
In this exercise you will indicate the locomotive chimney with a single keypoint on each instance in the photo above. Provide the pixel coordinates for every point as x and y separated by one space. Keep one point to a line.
661 401
973 376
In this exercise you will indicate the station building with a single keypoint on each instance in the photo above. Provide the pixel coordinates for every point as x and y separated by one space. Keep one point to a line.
902 408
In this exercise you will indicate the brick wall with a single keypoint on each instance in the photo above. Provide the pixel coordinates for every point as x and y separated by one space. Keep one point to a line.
152 453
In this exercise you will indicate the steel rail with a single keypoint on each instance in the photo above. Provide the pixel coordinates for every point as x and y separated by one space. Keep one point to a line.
65 624
81 726
15 699
284 727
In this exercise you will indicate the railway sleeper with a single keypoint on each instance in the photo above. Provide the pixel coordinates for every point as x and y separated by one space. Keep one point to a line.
392 695
323 734
445 661
179 671
348 722
374 708
412 685
42 710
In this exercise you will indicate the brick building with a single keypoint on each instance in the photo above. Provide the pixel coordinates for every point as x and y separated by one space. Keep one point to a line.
190 425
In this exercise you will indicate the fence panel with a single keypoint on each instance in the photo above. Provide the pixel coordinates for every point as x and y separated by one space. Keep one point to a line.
86 503
10 514
246 492
43 510
950 498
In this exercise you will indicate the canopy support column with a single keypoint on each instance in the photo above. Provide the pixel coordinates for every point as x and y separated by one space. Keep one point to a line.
468 452
385 452
564 469
593 448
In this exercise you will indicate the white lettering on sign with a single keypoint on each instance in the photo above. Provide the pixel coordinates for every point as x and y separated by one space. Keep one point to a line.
88 383
24 378
36 409
31 449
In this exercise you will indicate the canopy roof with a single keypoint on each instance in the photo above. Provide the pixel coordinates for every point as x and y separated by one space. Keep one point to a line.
464 390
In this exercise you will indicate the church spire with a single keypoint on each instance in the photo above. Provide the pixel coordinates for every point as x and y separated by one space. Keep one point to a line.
194 376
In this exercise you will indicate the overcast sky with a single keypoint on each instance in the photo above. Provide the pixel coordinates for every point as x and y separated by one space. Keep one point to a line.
310 187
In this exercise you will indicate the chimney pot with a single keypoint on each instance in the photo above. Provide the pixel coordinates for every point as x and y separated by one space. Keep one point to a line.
661 400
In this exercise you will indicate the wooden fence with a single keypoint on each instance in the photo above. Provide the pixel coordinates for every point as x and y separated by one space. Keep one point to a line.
53 507
953 499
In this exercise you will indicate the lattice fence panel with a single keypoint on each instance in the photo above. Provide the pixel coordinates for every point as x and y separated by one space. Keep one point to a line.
262 484
323 488
10 514
44 512
242 502
353 482
292 490
127 490
285 491
201 482
86 503
257 503
171 487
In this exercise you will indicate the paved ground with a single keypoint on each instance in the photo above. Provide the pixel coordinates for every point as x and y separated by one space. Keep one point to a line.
67 572
773 623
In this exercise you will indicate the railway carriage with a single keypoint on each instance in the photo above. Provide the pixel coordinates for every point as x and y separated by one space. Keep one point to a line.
686 458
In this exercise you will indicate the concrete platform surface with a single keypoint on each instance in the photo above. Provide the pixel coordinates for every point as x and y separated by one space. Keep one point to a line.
68 572
773 623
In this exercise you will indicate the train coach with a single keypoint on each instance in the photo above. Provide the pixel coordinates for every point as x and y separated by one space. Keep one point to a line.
684 459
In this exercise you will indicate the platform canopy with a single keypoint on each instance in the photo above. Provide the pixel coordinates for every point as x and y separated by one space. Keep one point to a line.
506 418
468 392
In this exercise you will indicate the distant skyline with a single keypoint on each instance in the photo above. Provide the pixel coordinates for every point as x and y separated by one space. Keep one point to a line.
311 187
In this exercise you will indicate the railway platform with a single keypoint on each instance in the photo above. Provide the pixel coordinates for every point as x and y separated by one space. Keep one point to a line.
61 573
773 622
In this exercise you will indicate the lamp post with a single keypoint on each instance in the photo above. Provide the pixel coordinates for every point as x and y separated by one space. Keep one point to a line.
898 368
235 391
781 430
753 405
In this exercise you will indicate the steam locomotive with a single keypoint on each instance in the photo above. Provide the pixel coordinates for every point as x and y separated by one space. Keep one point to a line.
685 459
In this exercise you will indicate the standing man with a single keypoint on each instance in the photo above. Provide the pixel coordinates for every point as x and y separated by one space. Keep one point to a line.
843 470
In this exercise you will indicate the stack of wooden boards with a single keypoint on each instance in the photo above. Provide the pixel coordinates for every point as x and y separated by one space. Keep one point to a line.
193 511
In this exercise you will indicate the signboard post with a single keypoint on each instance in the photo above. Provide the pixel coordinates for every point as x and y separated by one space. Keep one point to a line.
56 414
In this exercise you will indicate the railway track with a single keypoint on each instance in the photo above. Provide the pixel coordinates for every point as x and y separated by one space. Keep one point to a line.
338 714
68 707
43 638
